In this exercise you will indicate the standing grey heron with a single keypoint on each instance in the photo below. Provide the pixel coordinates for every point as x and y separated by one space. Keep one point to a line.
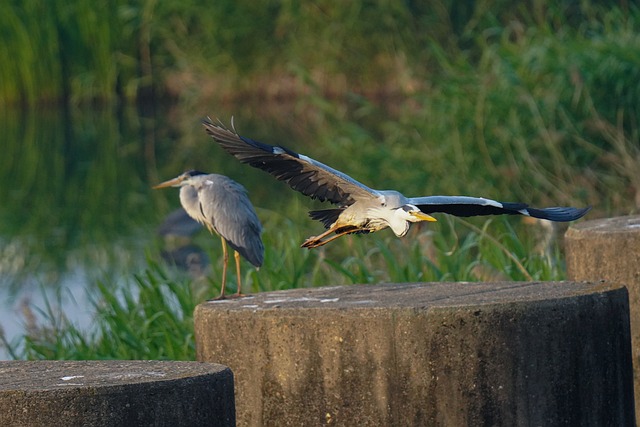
222 205
361 209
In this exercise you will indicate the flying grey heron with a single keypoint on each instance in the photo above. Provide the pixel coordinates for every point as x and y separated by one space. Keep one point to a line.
361 209
222 205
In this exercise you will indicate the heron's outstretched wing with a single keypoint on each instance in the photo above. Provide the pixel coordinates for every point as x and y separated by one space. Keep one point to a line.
302 173
226 205
474 206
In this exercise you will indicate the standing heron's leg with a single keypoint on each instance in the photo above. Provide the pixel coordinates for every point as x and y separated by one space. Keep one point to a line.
225 260
237 256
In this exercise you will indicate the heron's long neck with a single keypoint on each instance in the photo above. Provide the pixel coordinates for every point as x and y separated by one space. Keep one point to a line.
382 218
190 203
399 225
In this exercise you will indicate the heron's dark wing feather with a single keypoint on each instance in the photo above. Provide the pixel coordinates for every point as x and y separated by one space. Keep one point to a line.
327 216
475 206
226 205
302 173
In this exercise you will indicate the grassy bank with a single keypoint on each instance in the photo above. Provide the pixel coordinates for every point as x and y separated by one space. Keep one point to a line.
151 317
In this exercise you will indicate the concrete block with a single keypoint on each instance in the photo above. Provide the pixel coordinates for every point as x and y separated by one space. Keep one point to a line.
451 354
115 393
609 249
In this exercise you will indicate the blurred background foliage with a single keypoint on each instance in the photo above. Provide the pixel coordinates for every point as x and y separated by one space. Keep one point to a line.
548 89
98 51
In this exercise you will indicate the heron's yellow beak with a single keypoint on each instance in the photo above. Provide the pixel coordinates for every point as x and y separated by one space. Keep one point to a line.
171 183
422 216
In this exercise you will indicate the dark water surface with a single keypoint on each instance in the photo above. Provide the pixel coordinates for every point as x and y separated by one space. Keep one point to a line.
76 204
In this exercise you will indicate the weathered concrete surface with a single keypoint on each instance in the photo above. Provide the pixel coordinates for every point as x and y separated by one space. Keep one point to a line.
115 393
609 249
451 354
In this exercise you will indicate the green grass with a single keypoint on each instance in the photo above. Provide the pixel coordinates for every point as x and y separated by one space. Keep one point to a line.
151 317
83 51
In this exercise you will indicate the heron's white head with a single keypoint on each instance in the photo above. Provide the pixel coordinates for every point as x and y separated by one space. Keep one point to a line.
405 215
181 180
412 213
189 183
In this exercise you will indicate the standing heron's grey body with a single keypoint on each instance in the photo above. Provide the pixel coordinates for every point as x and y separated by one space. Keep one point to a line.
222 205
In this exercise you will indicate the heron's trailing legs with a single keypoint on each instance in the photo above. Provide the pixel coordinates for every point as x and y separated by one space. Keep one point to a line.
316 241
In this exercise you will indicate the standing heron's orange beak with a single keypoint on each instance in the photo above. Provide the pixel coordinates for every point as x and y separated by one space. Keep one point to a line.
175 182
422 216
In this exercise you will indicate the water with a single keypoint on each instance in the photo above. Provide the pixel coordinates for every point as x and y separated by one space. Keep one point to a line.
77 206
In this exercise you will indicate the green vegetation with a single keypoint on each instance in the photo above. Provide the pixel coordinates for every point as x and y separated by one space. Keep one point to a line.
83 51
151 317
149 320
537 102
